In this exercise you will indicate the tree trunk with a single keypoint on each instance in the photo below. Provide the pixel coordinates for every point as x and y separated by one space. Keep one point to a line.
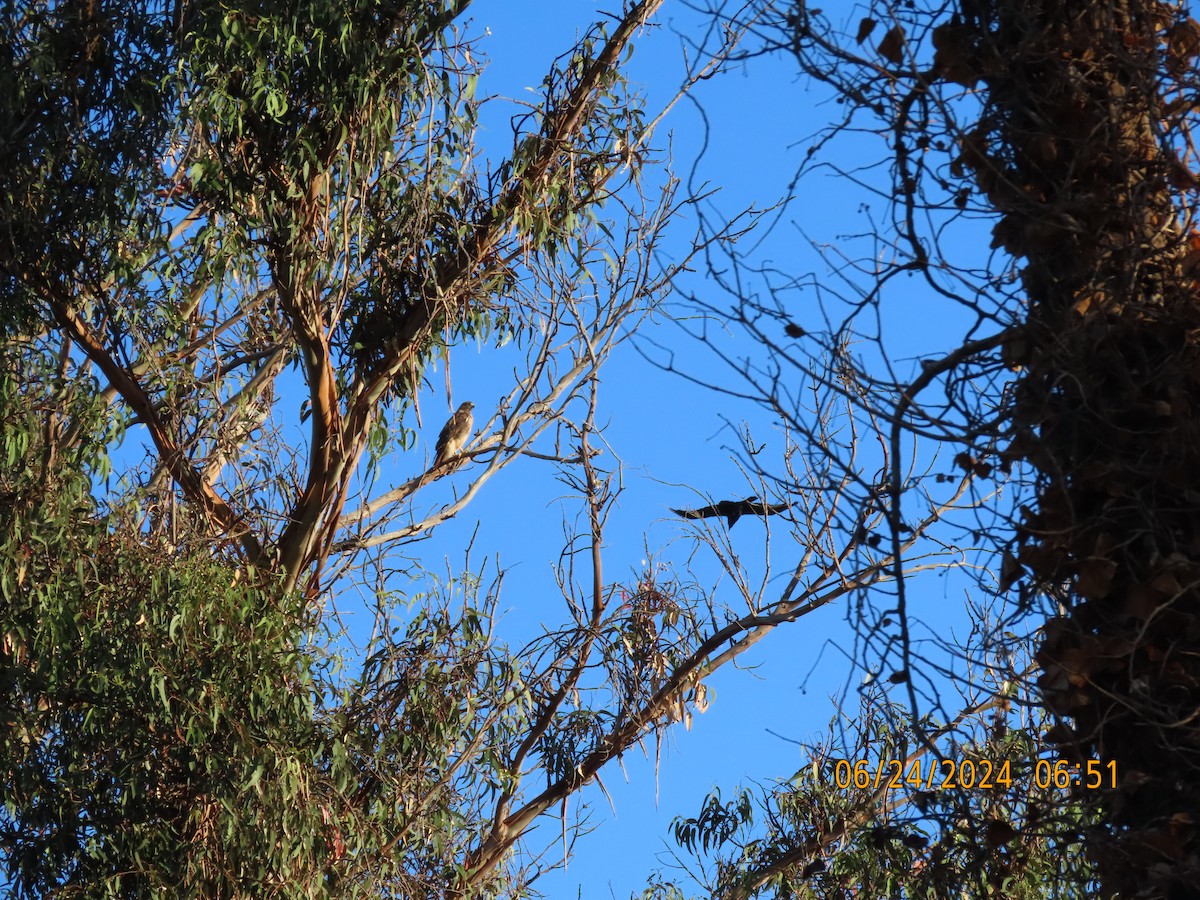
1079 150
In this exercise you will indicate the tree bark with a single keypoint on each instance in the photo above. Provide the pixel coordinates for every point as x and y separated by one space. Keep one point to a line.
1077 148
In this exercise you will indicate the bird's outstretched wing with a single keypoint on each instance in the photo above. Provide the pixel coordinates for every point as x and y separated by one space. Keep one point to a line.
767 509
732 510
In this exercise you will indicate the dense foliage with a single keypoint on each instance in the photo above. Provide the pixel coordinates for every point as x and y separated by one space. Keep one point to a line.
226 224
156 705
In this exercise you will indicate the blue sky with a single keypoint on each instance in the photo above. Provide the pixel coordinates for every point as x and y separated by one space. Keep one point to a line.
673 436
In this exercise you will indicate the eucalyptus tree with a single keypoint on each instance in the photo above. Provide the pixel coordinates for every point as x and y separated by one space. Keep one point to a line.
201 200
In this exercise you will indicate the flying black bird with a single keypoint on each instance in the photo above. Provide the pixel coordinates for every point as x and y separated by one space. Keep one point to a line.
732 510
455 433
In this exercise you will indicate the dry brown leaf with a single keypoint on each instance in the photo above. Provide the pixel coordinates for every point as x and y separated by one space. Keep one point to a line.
865 27
1095 577
891 47
1011 571
953 57
1167 584
1078 664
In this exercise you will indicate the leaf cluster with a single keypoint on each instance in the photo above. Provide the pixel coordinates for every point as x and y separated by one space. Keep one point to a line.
85 108
167 718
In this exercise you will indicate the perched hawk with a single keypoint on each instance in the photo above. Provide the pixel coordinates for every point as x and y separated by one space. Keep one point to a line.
732 510
455 433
